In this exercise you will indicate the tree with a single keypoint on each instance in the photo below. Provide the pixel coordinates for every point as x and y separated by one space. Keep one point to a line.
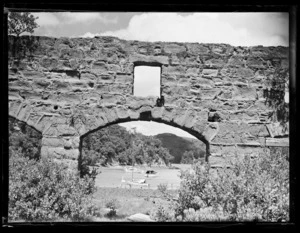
188 157
20 22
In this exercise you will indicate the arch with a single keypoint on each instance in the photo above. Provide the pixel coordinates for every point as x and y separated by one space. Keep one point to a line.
31 125
147 116
29 134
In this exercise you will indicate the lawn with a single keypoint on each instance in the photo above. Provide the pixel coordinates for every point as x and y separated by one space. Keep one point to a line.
128 201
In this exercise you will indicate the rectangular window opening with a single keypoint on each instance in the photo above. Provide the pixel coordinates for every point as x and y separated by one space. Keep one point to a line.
147 81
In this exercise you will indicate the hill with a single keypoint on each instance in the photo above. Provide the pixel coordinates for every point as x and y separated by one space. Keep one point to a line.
178 145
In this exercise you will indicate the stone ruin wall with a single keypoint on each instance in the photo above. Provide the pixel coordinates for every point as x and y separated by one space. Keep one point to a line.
68 87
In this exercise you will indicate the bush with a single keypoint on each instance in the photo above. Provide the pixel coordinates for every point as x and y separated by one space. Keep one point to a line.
112 204
44 190
162 188
254 189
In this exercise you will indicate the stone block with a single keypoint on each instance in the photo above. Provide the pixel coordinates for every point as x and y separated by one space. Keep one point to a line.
207 94
124 78
192 71
52 142
157 112
278 129
14 106
32 74
197 49
49 63
209 73
122 112
256 62
139 59
243 72
235 61
88 76
121 88
20 85
210 131
113 68
105 78
277 142
99 67
41 83
173 48
173 70
70 98
244 93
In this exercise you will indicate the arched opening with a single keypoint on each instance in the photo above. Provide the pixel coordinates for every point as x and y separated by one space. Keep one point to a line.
160 146
24 139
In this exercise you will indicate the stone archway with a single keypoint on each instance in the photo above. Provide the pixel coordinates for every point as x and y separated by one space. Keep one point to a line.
147 117
68 146
72 86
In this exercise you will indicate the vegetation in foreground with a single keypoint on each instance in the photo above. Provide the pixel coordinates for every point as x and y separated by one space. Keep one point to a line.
253 189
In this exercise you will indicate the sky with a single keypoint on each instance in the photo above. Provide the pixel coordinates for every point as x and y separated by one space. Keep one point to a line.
237 29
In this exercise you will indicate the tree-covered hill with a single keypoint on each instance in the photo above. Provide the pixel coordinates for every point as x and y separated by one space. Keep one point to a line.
114 144
178 146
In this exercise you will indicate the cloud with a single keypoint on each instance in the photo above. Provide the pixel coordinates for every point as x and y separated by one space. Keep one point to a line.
238 29
46 19
89 35
72 17
61 18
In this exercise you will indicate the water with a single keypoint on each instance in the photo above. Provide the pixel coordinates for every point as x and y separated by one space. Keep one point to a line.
112 176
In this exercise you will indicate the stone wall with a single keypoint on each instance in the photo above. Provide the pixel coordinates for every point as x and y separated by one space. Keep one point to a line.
228 97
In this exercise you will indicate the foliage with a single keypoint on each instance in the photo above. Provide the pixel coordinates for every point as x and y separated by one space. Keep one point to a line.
40 189
253 189
112 204
188 157
178 146
24 138
274 95
115 144
45 190
162 188
20 22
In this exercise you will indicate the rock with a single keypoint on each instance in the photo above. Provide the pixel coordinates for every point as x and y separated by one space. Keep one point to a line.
140 218
278 129
174 48
278 142
209 73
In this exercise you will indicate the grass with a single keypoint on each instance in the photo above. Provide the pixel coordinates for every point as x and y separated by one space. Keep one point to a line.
129 201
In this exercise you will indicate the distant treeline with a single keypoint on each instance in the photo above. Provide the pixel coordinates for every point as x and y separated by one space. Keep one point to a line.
184 150
114 144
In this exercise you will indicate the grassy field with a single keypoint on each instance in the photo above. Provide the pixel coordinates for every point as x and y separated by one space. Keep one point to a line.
128 201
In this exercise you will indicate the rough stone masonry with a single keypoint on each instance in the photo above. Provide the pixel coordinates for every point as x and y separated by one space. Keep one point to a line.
68 87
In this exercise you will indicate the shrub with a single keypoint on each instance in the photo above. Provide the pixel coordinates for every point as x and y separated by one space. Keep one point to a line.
162 188
44 190
253 189
112 204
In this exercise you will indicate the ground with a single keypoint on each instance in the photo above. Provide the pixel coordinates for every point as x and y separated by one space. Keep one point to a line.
129 201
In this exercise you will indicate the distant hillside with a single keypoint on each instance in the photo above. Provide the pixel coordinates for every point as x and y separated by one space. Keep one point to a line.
178 145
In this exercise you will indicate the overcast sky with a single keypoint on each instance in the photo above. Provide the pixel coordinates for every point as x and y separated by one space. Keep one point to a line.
237 29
